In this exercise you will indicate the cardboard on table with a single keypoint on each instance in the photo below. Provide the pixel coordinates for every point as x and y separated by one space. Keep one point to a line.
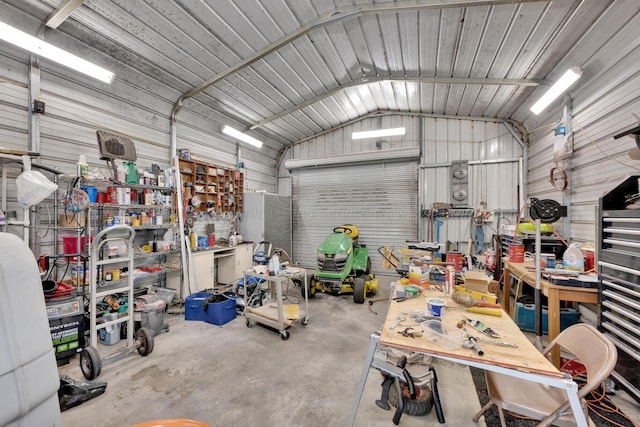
477 281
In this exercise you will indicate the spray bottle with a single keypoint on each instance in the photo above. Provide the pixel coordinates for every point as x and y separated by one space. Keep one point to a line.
83 167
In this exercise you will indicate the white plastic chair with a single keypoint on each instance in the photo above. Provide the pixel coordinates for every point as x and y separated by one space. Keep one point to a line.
550 405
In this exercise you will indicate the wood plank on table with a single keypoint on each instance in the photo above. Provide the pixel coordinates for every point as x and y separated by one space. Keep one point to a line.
525 358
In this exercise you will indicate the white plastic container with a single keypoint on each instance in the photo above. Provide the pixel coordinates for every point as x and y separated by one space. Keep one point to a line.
28 371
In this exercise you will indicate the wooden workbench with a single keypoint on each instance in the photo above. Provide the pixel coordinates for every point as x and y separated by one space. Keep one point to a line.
555 293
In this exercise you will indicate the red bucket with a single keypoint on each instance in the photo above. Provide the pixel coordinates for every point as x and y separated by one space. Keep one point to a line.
516 253
70 244
456 259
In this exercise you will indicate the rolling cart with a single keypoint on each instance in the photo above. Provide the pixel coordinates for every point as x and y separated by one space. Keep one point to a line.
90 361
273 314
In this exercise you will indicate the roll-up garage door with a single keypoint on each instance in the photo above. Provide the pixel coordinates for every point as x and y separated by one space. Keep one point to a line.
380 199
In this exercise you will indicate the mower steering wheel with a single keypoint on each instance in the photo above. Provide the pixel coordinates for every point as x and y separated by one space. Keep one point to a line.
341 229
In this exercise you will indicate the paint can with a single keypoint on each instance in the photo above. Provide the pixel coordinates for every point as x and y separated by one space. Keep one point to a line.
516 253
455 259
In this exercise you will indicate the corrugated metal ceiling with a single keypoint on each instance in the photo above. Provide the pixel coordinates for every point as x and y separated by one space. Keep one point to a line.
293 69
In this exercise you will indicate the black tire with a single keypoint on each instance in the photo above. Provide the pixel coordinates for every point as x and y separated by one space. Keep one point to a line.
359 292
417 407
284 335
248 322
144 336
309 288
90 363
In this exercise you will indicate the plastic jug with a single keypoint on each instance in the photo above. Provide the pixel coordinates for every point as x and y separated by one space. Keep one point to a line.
131 172
573 258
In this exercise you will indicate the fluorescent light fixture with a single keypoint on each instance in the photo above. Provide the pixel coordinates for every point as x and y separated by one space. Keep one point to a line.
241 136
378 133
46 50
557 89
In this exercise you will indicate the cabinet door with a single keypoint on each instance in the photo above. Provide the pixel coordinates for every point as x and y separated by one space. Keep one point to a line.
244 258
203 269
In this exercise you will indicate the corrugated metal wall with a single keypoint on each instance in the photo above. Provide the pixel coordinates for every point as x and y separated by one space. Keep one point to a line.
493 157
77 107
380 199
602 109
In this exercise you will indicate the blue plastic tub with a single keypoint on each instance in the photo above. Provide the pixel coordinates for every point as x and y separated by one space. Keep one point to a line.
193 306
91 191
219 313
525 318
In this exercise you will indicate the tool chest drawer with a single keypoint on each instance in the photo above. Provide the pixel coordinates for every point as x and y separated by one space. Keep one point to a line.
619 273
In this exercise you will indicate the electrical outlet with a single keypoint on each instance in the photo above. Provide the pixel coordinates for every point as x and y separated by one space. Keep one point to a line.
38 107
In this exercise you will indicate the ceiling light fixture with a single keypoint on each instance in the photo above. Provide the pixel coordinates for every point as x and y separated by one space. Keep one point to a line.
47 50
557 89
241 136
378 133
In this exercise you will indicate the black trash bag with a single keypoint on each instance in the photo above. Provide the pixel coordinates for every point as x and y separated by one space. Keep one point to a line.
72 393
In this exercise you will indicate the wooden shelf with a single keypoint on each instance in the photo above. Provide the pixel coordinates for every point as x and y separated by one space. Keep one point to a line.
223 187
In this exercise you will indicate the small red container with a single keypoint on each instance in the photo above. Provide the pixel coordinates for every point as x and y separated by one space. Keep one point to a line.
70 244
102 198
590 261
456 259
112 195
516 253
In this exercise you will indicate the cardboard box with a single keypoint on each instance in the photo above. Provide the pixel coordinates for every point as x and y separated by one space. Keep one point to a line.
477 281
480 296
71 219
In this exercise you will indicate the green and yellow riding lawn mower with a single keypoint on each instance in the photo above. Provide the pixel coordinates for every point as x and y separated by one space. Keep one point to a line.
344 267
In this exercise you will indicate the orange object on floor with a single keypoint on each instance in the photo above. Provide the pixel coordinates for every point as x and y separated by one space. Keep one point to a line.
172 422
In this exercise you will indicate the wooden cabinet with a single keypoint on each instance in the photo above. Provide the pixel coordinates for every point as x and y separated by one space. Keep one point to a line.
244 259
210 187
232 268
203 270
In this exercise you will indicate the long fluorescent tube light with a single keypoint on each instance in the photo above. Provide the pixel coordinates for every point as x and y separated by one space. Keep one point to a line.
378 133
49 51
557 89
241 136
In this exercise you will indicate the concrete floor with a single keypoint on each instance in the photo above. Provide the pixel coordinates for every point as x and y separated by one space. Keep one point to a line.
238 376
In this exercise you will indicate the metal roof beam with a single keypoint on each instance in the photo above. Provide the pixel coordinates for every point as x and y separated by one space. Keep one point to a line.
62 13
336 15
368 80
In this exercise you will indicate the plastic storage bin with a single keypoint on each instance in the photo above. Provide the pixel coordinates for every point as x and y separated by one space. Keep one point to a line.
149 311
525 318
193 306
219 313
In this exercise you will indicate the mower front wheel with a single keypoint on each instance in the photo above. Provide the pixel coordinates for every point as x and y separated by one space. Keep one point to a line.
359 291
309 288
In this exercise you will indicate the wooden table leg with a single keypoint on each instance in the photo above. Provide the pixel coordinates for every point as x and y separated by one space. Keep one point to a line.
506 290
553 323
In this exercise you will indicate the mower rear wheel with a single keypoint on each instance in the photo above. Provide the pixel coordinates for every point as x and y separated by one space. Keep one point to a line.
359 291
309 288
